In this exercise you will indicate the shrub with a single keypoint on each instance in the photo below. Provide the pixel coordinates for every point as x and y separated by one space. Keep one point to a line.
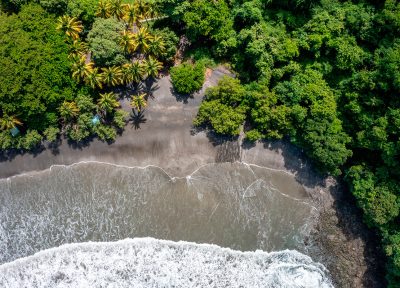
187 78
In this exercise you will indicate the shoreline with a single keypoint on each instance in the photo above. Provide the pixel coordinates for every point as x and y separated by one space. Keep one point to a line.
165 138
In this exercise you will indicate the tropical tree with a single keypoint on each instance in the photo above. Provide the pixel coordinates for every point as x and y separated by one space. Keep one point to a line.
103 9
142 38
151 67
70 26
94 79
117 9
131 17
8 122
156 46
77 49
138 102
107 103
133 72
142 8
127 42
112 76
80 69
68 110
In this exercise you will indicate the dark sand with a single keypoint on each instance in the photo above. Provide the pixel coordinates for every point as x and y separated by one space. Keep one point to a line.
164 137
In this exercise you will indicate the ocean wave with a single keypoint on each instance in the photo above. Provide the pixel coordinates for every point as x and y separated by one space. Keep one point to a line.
148 262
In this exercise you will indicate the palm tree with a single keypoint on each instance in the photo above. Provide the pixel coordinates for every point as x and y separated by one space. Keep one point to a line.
138 102
68 110
152 66
8 122
117 9
112 76
142 38
126 41
103 9
141 8
133 72
131 17
77 49
107 103
156 46
80 69
70 26
94 79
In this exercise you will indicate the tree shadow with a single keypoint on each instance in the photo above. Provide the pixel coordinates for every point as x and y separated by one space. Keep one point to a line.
184 98
137 118
81 144
149 86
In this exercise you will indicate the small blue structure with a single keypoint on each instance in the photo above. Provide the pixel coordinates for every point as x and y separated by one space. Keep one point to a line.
96 120
14 131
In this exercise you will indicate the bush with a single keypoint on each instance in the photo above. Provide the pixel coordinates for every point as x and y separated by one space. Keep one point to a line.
31 140
187 78
253 135
105 133
51 134
171 42
120 118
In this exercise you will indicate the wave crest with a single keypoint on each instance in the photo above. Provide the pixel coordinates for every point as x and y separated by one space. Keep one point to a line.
148 262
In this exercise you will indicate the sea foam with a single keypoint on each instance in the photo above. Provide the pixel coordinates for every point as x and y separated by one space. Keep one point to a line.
148 262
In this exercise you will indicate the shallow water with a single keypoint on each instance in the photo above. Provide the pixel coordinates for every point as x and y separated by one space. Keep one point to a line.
236 205
156 263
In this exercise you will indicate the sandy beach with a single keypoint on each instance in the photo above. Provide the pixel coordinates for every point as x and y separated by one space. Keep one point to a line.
164 136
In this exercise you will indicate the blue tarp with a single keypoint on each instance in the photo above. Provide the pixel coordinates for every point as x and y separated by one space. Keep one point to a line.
14 131
96 119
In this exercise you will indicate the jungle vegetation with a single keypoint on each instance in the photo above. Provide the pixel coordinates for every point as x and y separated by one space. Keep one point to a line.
324 74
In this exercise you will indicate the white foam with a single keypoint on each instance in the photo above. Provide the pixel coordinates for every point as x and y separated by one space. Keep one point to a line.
147 262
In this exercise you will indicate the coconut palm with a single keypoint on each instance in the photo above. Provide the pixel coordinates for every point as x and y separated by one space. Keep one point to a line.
80 69
103 9
130 16
126 41
107 103
70 26
142 38
77 49
68 110
133 72
138 102
112 76
151 67
117 9
156 46
141 8
94 79
8 122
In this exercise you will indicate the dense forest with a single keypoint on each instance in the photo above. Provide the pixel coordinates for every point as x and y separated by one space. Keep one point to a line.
324 74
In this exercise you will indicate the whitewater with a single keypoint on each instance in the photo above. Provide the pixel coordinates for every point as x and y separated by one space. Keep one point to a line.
148 262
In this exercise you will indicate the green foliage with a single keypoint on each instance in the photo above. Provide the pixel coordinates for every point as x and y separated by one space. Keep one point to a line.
51 134
105 133
171 41
187 78
103 41
35 74
223 107
209 20
82 9
31 140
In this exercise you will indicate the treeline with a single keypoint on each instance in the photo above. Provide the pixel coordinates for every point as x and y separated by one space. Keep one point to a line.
325 74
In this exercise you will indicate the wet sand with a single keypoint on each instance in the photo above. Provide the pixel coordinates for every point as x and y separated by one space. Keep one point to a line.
164 137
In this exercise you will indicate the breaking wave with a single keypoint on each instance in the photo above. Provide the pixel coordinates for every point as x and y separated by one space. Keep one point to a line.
148 262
